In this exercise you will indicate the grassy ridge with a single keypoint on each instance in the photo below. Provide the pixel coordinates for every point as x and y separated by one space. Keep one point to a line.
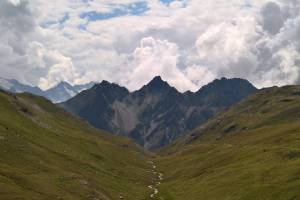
251 151
46 153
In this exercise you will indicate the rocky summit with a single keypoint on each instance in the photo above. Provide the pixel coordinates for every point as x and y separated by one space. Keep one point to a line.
157 114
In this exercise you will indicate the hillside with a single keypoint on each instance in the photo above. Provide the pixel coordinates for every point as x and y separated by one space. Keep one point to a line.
45 153
251 151
157 114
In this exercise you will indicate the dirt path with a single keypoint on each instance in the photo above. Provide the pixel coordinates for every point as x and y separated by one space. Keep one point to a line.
158 179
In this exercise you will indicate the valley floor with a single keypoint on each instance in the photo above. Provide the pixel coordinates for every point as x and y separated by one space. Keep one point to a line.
158 178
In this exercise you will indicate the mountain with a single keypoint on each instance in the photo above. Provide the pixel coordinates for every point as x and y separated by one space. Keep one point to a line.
157 114
82 87
64 91
250 151
95 104
17 87
60 93
46 153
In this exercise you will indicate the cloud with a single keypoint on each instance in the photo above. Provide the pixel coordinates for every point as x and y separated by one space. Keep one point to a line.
56 66
176 4
188 43
157 57
199 75
22 48
272 17
17 27
62 69
258 47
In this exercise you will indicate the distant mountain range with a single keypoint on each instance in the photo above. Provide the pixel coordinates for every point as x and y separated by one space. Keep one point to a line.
157 114
60 93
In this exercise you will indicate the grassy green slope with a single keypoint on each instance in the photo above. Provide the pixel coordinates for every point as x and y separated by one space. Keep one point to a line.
46 153
251 151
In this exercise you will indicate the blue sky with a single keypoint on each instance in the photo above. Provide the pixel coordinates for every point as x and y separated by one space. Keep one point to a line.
167 1
118 10
137 8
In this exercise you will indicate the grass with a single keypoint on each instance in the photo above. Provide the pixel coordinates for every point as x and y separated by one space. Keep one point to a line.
251 151
46 153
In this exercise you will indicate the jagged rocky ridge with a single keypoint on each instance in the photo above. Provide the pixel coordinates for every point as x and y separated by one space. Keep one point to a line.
157 114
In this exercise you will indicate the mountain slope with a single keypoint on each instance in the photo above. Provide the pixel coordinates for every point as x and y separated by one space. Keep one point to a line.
17 87
157 114
60 93
64 91
251 151
46 153
94 105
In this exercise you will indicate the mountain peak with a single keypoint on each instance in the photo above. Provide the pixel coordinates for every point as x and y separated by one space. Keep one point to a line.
105 83
228 83
109 87
224 92
157 83
63 83
157 79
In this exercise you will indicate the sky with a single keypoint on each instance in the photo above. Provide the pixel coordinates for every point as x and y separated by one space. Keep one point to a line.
188 43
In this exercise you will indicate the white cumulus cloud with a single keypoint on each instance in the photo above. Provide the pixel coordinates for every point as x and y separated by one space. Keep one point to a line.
188 42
